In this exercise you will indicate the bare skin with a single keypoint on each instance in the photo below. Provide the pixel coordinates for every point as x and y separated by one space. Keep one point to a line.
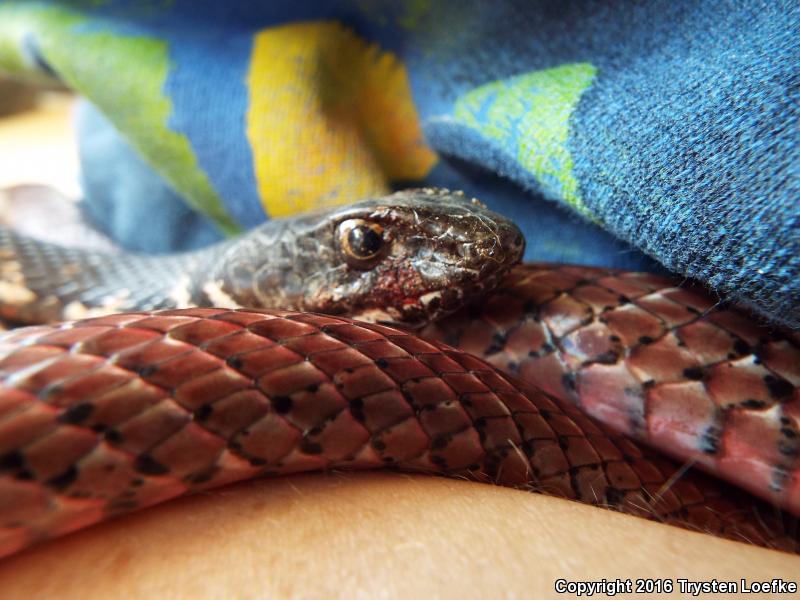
372 535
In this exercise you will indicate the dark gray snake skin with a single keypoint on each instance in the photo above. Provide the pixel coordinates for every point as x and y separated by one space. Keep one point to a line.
406 258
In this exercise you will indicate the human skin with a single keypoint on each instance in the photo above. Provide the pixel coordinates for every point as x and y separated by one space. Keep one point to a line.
372 535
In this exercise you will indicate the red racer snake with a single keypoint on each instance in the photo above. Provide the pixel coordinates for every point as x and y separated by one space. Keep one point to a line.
111 414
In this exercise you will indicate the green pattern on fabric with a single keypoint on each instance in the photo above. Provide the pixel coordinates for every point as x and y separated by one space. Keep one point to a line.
415 13
124 77
529 116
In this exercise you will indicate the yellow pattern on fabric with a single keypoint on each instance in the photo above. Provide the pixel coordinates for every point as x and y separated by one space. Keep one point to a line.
529 114
331 118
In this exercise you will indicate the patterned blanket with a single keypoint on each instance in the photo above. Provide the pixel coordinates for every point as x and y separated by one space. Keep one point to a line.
613 132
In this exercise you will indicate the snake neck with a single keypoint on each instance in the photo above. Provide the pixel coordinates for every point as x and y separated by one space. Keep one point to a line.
42 281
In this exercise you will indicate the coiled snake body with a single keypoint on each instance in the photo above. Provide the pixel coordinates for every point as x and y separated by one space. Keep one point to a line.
113 413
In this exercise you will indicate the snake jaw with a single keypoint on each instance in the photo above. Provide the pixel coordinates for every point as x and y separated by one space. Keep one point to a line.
413 309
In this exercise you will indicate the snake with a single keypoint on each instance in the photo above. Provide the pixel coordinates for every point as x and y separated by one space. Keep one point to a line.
399 332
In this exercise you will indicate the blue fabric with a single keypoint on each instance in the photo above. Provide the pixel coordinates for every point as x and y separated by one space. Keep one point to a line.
126 200
637 135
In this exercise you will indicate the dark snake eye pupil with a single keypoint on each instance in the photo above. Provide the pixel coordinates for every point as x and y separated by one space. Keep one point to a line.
364 241
361 242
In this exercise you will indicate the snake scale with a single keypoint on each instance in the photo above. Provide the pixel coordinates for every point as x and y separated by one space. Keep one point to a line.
114 413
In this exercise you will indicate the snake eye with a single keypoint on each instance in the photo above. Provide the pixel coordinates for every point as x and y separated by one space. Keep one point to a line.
361 240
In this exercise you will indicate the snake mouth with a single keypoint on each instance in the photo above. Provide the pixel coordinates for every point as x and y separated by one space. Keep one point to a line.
418 311
453 289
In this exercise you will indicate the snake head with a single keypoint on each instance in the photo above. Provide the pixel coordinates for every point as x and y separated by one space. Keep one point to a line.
405 259
411 257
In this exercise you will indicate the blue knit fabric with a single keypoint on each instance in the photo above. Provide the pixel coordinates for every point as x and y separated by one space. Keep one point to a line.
639 135
125 199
